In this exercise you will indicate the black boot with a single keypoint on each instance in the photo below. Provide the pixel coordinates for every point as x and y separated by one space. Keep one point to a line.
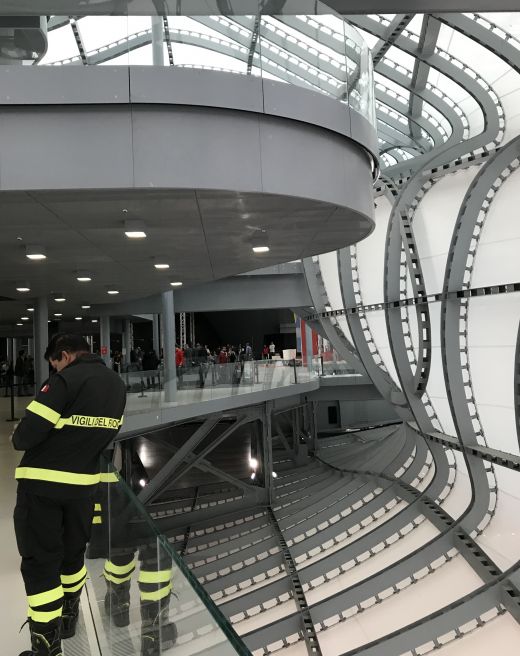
117 603
70 615
45 639
157 634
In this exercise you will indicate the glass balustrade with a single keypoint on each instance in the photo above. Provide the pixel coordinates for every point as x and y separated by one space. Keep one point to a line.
321 52
141 598
195 383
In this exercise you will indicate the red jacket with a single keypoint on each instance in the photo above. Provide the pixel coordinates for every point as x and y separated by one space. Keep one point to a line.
179 357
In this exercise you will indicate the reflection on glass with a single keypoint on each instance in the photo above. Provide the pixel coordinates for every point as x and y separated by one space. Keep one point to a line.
319 52
143 598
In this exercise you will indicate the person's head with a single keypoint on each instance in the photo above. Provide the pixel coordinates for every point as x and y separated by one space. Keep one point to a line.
21 353
64 349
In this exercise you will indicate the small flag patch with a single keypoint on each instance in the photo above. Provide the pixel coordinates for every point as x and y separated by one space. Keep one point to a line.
45 388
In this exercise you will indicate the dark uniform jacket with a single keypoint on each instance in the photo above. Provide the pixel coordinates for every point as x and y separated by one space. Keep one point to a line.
74 417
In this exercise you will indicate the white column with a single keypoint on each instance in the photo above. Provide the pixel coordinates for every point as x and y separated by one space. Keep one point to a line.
170 375
41 340
155 334
104 334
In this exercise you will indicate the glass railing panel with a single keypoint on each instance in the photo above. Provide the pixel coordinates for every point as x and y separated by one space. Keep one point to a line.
144 599
320 52
206 381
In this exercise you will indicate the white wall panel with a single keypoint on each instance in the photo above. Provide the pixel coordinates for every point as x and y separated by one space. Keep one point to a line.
377 324
500 636
501 538
428 595
330 274
436 386
371 255
433 225
492 332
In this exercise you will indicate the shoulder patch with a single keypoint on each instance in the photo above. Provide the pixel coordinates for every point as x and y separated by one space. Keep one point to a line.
45 388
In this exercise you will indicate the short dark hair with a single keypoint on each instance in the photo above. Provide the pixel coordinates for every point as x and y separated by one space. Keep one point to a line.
64 342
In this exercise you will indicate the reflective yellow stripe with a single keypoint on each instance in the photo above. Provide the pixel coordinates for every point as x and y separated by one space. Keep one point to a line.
55 476
44 412
70 579
97 520
87 421
97 507
157 595
115 579
44 617
77 587
48 597
119 569
108 477
155 577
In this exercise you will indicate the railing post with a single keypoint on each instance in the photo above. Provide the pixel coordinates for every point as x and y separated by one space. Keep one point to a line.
295 374
13 418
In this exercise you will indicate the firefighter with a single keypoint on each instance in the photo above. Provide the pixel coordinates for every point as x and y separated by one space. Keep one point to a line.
73 418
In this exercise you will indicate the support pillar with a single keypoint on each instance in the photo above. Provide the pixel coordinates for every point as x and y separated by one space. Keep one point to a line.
41 340
182 329
157 41
128 340
267 451
30 346
104 334
192 329
308 342
10 350
170 374
155 334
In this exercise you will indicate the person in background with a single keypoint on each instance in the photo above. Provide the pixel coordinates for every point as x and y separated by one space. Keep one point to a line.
265 352
19 373
179 364
150 365
272 350
201 359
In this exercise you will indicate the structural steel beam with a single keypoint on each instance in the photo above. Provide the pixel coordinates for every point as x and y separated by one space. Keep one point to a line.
427 41
397 25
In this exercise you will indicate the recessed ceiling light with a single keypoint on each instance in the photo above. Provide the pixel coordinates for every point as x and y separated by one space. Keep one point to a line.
19 324
60 299
30 309
112 291
176 284
35 252
94 320
161 266
83 276
58 314
260 249
24 318
78 318
23 288
135 229
85 307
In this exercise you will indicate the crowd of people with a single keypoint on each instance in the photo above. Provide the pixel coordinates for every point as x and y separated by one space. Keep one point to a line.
18 375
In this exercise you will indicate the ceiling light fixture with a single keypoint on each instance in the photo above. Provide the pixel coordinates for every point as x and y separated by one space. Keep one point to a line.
58 314
135 229
260 242
94 320
85 307
35 252
19 324
59 298
22 287
24 318
30 309
78 318
112 292
158 265
176 284
83 276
